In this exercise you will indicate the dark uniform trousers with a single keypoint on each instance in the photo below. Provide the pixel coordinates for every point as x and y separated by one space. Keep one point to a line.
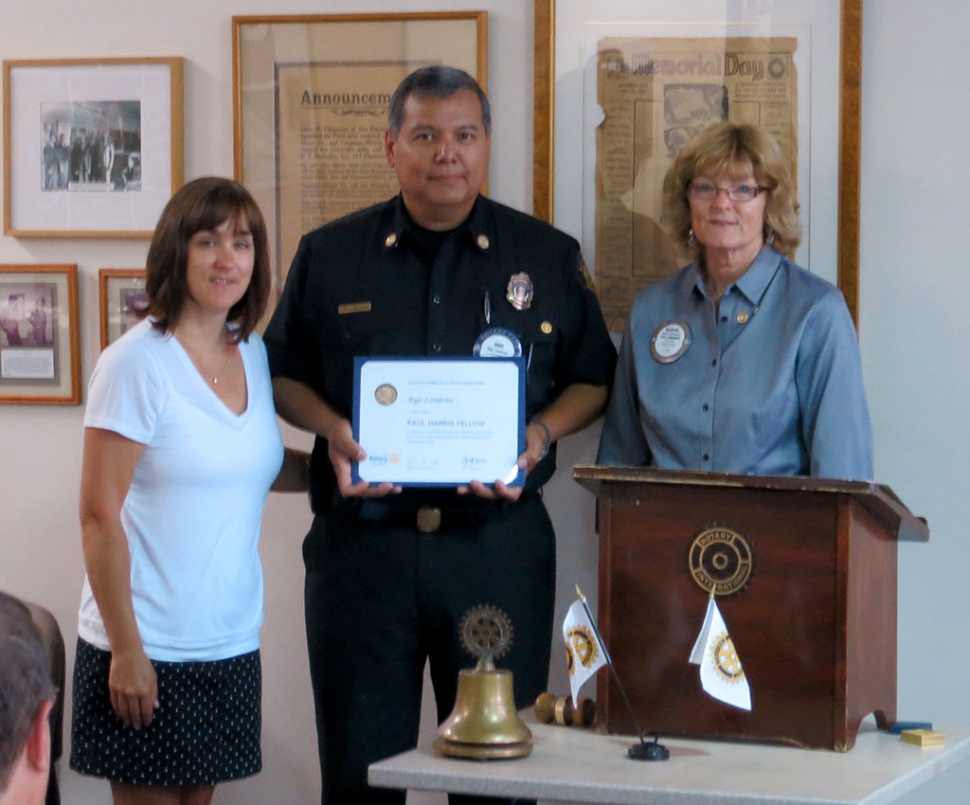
383 597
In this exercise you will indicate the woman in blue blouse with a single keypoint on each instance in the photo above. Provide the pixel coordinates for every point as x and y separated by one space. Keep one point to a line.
741 362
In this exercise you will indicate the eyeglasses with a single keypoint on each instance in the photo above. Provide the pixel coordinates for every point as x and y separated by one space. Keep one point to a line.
707 191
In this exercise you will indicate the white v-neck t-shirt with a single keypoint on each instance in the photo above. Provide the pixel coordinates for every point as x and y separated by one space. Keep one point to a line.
193 512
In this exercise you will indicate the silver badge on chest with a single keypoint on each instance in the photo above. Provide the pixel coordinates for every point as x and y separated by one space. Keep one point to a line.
519 291
669 341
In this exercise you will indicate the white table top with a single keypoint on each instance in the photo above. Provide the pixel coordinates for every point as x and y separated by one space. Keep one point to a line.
571 765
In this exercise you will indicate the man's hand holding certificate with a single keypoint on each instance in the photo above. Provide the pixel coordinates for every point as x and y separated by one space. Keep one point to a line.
439 421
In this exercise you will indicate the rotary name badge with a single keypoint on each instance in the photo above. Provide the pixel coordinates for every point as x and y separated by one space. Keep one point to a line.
669 341
519 291
497 342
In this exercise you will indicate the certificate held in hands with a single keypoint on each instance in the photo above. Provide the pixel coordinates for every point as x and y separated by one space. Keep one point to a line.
439 421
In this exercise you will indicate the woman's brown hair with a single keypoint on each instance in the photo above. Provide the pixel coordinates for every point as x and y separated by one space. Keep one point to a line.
203 205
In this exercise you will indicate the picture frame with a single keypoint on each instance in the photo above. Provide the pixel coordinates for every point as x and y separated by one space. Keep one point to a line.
555 44
310 100
40 361
92 148
121 292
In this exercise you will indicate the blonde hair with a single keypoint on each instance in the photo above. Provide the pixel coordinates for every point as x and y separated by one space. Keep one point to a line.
733 150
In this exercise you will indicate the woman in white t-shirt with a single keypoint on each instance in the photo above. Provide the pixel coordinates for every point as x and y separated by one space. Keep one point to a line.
181 447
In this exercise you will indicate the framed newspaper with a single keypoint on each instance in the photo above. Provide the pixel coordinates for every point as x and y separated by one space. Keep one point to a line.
39 357
643 83
91 147
310 98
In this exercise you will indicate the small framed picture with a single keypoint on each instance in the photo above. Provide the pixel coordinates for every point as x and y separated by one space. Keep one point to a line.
123 301
39 334
91 147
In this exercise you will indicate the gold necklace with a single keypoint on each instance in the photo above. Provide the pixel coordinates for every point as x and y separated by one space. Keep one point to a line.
200 365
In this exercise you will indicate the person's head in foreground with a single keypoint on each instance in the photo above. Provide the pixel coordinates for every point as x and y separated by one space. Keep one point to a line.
26 697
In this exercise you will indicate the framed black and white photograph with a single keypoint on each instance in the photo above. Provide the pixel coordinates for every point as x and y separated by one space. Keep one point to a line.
39 334
123 301
92 148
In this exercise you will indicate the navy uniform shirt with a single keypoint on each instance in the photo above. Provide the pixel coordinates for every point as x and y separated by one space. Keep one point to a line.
366 285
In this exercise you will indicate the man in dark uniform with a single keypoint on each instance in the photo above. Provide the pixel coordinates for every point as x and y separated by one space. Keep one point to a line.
390 573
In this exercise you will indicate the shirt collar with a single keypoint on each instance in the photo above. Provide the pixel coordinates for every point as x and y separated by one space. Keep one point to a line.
752 283
477 228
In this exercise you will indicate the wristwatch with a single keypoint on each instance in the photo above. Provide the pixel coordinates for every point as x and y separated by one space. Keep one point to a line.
546 437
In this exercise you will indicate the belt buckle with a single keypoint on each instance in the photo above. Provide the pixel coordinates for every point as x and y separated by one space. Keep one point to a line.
428 519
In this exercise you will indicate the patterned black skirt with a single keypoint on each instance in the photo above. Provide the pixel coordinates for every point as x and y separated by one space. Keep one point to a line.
206 730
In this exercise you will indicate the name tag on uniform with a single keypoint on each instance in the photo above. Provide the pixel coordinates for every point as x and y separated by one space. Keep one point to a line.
353 307
497 343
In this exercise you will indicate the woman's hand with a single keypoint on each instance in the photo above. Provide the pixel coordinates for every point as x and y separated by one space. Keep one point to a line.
134 689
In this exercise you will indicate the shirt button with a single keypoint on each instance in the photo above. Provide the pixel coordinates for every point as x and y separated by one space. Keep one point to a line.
705 407
714 362
436 300
436 347
706 457
723 318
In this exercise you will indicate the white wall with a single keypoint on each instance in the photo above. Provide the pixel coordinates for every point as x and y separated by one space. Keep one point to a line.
915 291
914 325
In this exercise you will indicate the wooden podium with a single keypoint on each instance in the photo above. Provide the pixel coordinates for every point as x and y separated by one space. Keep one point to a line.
805 571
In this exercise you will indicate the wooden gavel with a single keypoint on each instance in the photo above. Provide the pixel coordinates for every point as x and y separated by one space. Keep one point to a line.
559 709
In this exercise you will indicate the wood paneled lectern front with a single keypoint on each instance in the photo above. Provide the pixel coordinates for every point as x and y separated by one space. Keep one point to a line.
805 574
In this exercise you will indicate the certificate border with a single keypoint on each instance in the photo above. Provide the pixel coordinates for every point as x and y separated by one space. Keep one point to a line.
360 362
850 117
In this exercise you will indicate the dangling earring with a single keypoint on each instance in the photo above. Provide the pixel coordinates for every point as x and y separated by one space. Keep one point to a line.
771 237
691 240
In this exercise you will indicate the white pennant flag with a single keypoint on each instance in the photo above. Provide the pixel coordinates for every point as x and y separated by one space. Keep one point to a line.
721 673
584 654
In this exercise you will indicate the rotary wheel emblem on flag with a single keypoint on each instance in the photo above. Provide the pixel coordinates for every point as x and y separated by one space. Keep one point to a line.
582 644
726 660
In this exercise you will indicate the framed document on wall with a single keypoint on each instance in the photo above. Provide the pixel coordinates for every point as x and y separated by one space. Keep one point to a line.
310 99
618 90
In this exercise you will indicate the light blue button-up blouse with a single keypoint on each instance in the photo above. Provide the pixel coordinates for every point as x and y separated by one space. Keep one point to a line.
771 384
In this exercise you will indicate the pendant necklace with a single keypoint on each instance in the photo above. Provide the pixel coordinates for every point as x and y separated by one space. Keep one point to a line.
202 367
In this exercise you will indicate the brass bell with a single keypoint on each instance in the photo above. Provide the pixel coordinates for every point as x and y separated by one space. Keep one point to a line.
484 723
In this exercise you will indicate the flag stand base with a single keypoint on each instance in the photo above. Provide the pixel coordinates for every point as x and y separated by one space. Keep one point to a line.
645 751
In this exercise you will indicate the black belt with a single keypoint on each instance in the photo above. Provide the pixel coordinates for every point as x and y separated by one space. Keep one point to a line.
430 518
